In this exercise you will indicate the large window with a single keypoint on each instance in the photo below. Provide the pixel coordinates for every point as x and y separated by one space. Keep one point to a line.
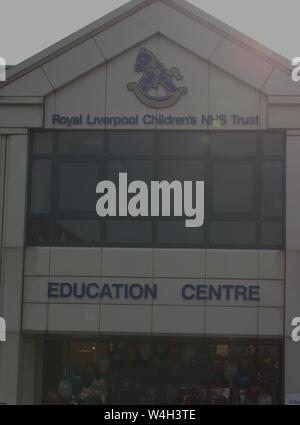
164 371
244 174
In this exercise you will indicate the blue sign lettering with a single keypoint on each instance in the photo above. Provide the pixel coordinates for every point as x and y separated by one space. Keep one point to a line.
137 291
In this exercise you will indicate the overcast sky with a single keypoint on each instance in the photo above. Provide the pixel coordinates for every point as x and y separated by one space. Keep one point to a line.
29 26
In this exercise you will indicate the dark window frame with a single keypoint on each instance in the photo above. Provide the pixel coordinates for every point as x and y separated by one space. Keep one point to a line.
207 158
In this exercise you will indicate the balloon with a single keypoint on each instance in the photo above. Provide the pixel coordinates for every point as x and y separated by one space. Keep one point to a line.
230 372
77 382
76 377
54 399
104 365
65 389
146 351
189 354
265 400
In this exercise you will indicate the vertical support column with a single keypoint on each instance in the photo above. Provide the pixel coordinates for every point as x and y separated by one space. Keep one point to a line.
13 210
292 306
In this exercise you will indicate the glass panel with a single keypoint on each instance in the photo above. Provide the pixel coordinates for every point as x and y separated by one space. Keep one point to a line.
80 143
40 186
77 231
175 232
229 233
183 143
129 232
42 143
233 188
131 144
234 144
273 144
181 170
136 170
39 231
164 371
272 234
78 182
272 189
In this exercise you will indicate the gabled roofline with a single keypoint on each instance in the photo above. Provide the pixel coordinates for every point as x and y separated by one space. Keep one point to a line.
230 33
77 38
132 7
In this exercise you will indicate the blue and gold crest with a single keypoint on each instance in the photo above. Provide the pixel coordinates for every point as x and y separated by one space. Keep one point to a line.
155 75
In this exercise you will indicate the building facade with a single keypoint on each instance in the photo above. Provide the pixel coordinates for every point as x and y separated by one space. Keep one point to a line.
162 91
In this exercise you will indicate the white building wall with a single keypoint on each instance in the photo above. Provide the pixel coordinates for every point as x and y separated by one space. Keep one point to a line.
223 77
169 270
292 303
13 195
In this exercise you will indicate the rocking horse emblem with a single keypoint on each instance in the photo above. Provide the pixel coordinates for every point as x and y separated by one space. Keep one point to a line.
155 75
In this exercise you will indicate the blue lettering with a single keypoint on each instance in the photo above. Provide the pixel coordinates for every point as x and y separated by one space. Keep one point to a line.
89 289
241 291
136 292
66 290
106 292
254 293
202 292
150 292
55 119
53 290
215 293
184 291
79 290
228 289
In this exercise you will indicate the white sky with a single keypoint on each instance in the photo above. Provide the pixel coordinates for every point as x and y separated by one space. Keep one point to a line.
29 26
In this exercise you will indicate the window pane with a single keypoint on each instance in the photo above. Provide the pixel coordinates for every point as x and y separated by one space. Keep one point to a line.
181 170
78 182
131 144
39 231
183 143
80 143
272 189
233 188
272 234
227 233
175 232
129 232
77 231
234 144
136 170
42 143
40 186
273 144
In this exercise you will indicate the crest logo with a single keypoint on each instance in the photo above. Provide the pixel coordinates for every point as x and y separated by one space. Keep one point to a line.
154 76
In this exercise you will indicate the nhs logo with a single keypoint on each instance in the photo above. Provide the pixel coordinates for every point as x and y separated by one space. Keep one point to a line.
2 330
